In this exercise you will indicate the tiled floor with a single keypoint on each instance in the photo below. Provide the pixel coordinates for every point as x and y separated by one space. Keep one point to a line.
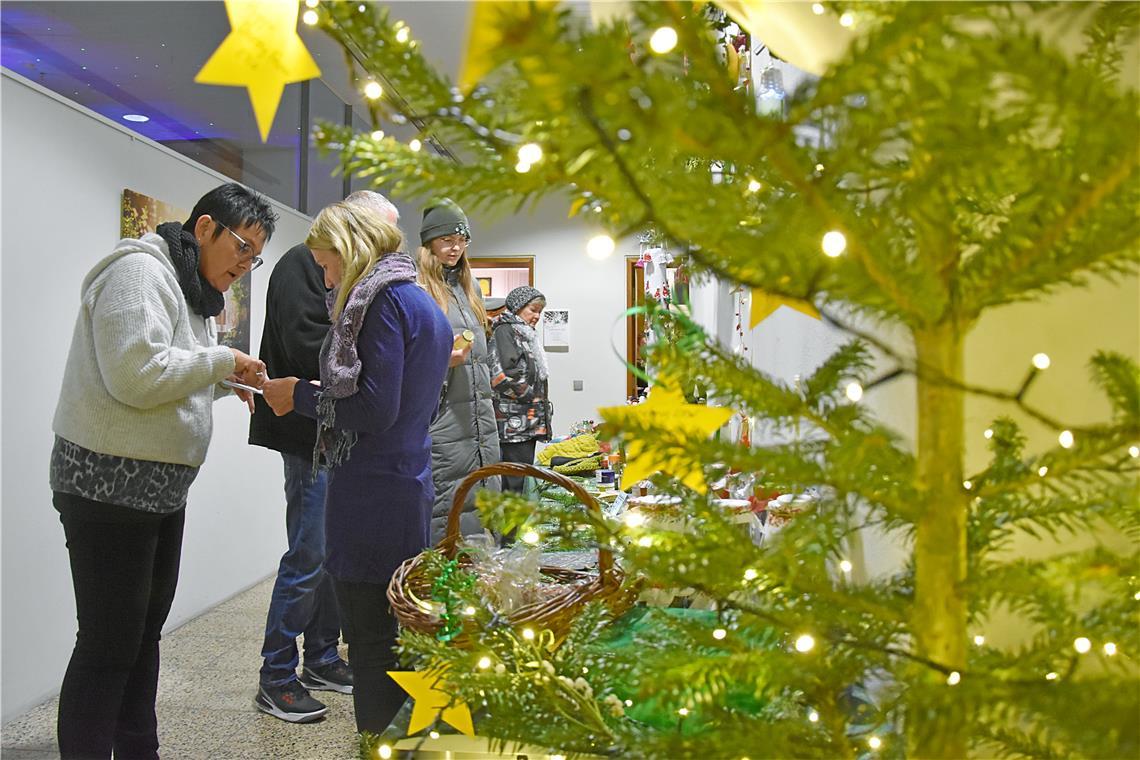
205 698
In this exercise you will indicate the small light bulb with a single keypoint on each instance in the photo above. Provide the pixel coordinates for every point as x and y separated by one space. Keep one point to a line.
954 678
484 663
817 9
1136 596
373 90
854 391
528 634
522 167
312 3
683 712
663 40
1082 644
415 145
433 734
819 167
1041 361
847 19
1050 676
1109 648
377 135
403 34
530 537
754 186
600 247
834 243
719 634
967 485
1042 470
805 643
309 17
751 575
469 611
530 153
1134 451
629 703
813 716
989 433
874 742
384 751
634 519
645 542
979 640
845 566
1065 439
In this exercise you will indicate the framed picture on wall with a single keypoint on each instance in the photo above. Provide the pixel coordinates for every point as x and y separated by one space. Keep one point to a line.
556 328
499 275
140 214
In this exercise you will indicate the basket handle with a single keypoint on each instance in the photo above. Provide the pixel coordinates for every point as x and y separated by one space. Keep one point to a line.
450 543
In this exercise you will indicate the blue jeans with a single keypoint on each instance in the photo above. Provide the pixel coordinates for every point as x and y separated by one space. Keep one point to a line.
303 601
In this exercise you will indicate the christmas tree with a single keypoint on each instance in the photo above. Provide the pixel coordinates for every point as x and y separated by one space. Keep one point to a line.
967 163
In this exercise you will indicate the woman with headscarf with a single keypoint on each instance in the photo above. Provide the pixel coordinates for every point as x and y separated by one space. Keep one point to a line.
464 436
381 366
519 379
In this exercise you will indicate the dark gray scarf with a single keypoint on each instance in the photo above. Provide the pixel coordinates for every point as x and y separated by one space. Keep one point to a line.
340 358
184 254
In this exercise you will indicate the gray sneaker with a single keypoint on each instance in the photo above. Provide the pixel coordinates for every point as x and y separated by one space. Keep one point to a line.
290 702
336 676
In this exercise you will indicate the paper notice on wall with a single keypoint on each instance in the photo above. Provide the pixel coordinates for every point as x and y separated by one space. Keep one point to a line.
556 328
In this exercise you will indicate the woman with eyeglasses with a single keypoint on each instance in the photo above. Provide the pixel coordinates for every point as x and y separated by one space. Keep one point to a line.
132 425
464 436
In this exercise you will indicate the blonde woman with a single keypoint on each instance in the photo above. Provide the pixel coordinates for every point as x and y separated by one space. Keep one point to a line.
382 367
464 436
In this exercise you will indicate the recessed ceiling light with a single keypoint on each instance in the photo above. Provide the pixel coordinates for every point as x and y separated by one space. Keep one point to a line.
135 117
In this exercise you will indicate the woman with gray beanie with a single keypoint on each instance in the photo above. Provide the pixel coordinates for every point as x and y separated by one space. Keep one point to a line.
463 436
519 379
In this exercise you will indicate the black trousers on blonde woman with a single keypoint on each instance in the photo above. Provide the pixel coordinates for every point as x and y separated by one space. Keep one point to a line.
369 627
124 568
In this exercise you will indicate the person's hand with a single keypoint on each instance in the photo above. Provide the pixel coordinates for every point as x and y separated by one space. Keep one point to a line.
459 355
279 394
248 370
244 395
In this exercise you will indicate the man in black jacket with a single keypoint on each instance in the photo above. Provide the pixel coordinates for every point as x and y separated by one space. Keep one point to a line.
303 602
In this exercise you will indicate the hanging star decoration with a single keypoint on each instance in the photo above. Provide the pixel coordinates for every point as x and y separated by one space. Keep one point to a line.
667 415
431 702
764 304
262 53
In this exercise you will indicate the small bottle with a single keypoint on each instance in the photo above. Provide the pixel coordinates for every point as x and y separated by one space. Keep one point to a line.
463 340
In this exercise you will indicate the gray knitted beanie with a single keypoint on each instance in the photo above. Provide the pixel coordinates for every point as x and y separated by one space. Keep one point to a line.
518 298
444 218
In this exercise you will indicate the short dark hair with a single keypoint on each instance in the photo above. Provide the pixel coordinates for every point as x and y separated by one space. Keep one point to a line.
235 206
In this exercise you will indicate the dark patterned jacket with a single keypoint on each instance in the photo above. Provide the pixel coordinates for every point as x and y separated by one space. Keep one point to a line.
522 411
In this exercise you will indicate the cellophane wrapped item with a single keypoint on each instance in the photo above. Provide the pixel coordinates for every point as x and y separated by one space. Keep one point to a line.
509 578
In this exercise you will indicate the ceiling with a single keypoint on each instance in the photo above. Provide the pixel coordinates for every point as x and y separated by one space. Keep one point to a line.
140 57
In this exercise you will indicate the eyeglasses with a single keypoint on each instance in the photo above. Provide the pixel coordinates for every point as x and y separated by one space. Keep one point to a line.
245 250
454 241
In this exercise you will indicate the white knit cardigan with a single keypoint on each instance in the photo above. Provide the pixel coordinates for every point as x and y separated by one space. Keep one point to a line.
142 368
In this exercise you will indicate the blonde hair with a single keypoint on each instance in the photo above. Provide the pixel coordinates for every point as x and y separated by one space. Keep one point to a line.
358 237
432 278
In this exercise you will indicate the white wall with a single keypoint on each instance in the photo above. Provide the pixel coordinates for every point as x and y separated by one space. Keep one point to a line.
64 169
593 291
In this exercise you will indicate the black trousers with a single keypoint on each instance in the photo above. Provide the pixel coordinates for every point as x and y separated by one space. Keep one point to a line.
124 568
523 453
370 630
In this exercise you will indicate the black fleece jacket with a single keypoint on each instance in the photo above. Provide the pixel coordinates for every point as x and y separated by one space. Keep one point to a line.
296 322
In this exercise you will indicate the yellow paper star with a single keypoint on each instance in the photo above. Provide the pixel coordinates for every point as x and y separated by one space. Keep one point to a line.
765 304
667 411
432 702
262 53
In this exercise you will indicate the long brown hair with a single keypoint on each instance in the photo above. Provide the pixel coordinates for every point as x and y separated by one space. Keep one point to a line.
432 278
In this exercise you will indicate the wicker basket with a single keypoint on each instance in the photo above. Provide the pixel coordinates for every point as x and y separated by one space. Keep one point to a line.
556 613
